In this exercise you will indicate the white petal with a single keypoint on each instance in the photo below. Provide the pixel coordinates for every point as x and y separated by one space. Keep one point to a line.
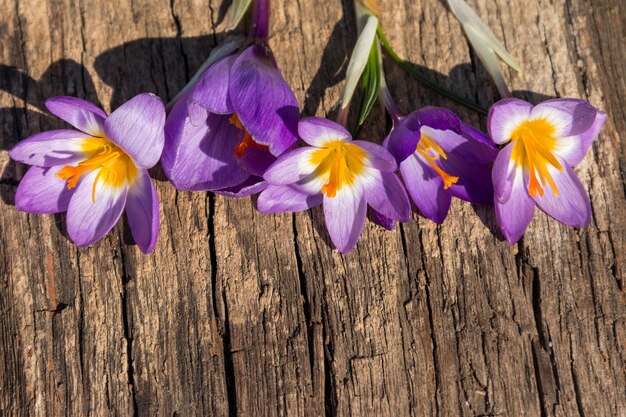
358 60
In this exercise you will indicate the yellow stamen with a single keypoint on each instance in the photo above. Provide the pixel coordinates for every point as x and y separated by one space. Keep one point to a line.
338 163
115 166
533 147
247 142
424 148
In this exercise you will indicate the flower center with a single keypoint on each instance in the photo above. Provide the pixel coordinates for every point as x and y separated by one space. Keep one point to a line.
431 151
116 167
247 142
338 163
533 144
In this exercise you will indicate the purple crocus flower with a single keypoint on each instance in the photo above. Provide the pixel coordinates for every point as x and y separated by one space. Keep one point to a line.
343 174
233 123
98 171
441 157
546 141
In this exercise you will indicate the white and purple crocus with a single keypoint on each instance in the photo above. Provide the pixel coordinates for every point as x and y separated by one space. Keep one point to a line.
535 168
98 171
235 120
344 175
440 157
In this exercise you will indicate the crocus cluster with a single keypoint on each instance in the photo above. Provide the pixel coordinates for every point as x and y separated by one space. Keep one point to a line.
234 130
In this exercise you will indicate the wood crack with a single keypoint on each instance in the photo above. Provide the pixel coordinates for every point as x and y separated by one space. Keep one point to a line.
130 370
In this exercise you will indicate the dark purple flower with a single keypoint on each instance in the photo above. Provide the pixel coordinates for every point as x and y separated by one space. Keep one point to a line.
224 132
441 157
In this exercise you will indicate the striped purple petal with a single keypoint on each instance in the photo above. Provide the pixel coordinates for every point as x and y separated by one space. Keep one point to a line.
88 220
41 192
137 127
81 114
142 212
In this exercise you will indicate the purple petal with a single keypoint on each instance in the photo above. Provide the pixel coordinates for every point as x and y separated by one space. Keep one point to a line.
262 99
248 187
472 133
291 167
571 206
317 131
435 117
505 116
211 91
54 147
474 179
503 174
386 195
462 147
383 221
345 217
200 157
574 148
402 141
81 114
404 137
378 157
138 128
284 198
41 192
256 161
425 187
89 221
570 116
515 215
142 212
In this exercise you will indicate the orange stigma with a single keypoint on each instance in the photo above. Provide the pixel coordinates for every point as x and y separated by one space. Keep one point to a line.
247 142
533 144
338 163
115 166
424 147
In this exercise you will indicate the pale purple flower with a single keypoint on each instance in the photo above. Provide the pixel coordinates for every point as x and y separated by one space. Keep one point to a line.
98 171
441 157
342 174
535 168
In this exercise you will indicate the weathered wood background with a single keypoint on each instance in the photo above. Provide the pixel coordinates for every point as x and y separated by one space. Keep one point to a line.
240 313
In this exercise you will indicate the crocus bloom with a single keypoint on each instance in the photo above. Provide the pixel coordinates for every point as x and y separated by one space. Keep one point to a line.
97 171
546 141
345 175
239 115
440 157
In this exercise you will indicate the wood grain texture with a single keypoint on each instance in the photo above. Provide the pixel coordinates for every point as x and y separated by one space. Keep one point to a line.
241 313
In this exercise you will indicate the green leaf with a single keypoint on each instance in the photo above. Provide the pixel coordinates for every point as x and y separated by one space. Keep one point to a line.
370 83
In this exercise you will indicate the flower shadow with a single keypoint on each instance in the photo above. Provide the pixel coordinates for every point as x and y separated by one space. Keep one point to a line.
63 77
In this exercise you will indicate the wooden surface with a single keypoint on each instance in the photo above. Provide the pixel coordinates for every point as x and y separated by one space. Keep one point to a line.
240 313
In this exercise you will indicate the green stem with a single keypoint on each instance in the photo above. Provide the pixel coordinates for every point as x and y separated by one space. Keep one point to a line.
405 65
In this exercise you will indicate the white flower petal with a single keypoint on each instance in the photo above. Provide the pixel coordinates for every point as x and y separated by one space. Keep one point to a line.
358 60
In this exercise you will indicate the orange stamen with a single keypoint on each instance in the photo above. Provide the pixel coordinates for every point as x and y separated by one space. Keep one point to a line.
340 163
533 148
108 158
247 142
424 147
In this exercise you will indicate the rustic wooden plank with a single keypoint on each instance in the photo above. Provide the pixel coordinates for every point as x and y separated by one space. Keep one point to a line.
238 312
